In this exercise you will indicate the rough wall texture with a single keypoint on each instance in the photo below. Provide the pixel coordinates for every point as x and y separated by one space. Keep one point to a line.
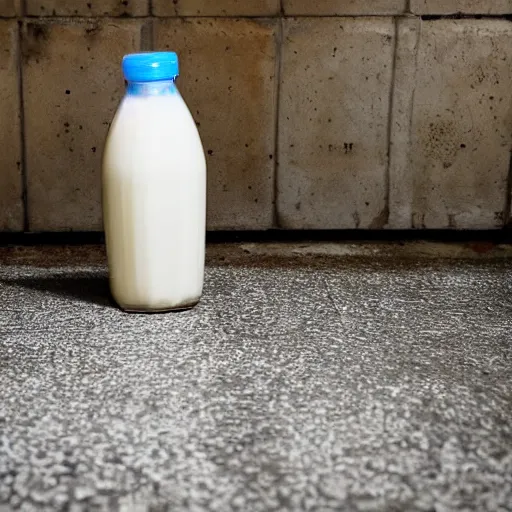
11 188
333 153
328 114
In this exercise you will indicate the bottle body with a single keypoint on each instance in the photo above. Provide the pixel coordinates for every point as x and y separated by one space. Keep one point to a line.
154 201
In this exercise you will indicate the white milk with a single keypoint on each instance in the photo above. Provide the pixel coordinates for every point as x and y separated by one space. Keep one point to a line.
154 201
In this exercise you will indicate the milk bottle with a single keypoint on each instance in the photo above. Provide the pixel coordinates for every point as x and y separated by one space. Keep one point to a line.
154 191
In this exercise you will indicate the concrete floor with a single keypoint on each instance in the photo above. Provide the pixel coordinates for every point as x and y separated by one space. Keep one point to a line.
375 378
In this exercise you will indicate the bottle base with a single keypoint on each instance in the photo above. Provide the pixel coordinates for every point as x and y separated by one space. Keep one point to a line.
175 309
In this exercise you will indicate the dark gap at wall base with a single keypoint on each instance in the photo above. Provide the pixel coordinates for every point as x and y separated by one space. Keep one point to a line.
360 235
503 236
464 16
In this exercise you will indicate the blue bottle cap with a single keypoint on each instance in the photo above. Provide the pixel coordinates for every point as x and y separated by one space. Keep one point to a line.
150 66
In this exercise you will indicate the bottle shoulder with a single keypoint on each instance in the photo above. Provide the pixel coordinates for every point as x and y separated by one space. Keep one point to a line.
141 129
167 110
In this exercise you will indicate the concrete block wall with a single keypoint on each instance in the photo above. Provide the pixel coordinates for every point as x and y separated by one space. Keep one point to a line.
333 114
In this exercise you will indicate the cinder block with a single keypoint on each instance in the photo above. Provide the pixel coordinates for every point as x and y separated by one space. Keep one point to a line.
11 188
72 83
451 169
228 79
10 8
216 8
343 7
401 182
87 7
333 123
461 6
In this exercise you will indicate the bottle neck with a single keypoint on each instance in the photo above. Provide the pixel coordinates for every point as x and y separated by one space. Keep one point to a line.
158 88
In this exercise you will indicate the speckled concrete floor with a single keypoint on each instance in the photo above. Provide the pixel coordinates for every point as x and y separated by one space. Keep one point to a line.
376 381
